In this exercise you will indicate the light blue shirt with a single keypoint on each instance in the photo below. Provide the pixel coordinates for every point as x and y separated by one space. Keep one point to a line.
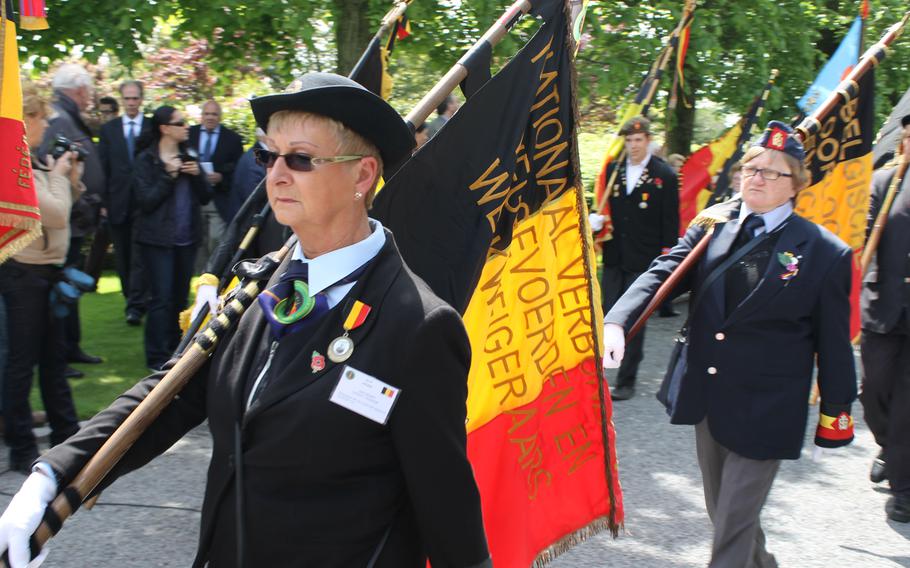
331 267
204 140
772 218
136 124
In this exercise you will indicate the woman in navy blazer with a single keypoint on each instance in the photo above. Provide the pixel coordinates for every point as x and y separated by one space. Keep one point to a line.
779 308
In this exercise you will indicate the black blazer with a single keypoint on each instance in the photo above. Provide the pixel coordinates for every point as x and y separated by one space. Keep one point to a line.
640 232
118 168
886 288
155 199
322 485
227 153
750 372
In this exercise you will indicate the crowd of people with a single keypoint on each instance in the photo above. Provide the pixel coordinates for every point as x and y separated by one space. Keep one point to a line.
171 198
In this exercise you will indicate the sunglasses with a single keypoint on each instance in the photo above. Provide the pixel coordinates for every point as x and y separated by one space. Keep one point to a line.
297 161
177 123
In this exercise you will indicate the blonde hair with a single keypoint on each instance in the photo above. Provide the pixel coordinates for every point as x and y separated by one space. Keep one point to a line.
349 142
33 104
798 169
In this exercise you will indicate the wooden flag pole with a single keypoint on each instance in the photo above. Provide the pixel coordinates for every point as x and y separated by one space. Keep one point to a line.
881 219
459 71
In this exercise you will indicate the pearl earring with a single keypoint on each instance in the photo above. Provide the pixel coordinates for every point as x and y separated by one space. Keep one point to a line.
358 196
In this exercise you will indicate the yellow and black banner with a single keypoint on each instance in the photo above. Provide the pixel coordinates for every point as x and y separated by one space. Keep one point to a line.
491 214
839 155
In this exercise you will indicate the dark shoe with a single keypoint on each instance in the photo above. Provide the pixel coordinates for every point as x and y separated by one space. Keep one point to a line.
624 392
133 318
81 356
877 474
22 464
898 508
71 373
39 418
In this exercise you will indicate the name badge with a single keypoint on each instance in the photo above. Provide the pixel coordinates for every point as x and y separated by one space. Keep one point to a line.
364 394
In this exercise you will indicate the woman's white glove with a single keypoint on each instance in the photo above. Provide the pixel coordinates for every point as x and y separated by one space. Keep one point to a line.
205 294
597 221
614 345
22 517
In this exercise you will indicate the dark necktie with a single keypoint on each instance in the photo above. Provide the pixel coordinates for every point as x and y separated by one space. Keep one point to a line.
131 139
209 146
747 232
742 277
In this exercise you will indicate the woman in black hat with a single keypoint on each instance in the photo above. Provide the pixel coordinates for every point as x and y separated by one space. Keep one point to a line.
770 300
344 386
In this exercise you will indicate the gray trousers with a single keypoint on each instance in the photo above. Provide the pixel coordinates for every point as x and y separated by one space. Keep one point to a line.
735 492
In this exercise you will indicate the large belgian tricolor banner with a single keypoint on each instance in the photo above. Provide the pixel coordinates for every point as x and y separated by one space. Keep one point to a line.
839 157
491 214
20 221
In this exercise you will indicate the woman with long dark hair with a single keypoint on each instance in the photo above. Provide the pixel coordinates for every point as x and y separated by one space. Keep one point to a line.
168 190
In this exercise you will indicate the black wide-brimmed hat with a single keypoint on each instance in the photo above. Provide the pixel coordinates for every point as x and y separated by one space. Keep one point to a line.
344 100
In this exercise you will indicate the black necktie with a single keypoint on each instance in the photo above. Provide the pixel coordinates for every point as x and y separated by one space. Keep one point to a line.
209 147
747 232
131 139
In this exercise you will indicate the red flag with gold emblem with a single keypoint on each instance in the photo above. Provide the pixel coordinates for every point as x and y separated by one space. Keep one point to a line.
20 221
491 213
839 156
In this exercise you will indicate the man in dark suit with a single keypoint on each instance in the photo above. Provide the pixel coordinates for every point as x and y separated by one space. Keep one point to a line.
886 335
117 147
218 149
644 208
770 301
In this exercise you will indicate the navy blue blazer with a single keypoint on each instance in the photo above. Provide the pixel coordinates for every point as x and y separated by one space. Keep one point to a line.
750 372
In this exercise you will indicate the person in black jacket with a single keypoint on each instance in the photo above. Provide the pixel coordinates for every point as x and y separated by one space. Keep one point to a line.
337 408
169 190
770 301
886 337
644 208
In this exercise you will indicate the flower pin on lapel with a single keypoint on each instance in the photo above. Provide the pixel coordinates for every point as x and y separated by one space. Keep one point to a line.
790 262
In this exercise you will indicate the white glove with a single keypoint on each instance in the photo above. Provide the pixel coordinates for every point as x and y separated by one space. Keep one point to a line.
614 345
22 517
205 294
597 221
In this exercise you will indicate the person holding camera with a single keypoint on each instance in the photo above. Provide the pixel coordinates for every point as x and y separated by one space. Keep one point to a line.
169 190
35 334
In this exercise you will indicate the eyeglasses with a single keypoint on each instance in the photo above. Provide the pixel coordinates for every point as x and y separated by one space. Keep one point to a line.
297 161
177 123
765 173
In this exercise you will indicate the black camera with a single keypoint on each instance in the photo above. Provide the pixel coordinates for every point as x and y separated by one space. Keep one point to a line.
184 157
62 144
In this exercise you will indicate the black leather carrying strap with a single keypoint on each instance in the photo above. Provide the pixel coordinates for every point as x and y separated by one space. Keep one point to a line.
720 269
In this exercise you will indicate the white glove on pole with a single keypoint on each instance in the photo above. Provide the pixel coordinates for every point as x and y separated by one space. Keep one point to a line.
614 345
597 221
22 517
205 294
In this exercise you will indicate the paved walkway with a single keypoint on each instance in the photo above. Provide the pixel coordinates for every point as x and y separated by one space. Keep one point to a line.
819 514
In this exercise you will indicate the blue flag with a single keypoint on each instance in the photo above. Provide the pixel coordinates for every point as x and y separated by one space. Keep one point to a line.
843 60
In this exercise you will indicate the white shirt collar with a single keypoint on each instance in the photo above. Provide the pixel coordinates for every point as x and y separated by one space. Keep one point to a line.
329 268
215 132
137 120
772 218
634 172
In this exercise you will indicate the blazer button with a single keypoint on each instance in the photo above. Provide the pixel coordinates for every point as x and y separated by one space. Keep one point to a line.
720 336
712 370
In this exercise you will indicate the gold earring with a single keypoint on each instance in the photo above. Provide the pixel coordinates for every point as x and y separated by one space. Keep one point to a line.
358 196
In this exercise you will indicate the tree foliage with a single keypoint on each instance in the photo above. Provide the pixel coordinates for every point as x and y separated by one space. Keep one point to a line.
734 44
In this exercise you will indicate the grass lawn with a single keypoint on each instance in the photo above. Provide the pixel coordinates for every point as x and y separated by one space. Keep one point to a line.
105 333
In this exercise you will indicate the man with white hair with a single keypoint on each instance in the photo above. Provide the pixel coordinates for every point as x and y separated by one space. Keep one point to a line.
73 87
